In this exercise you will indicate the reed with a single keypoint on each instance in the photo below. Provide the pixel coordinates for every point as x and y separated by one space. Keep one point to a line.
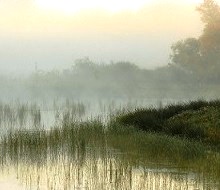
96 155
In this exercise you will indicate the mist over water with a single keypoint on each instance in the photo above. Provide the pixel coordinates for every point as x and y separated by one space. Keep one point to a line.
110 100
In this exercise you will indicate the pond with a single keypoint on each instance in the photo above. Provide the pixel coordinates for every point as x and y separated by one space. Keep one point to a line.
42 149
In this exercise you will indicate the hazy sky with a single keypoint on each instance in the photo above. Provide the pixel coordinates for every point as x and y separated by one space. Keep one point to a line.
53 33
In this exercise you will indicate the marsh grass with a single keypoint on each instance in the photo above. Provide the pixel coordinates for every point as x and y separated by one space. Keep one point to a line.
107 153
198 120
155 146
76 150
134 146
17 115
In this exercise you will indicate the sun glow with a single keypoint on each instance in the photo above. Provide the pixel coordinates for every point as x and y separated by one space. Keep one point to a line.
73 6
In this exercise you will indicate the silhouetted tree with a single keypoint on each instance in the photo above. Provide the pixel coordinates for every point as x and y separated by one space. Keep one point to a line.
186 54
210 38
202 55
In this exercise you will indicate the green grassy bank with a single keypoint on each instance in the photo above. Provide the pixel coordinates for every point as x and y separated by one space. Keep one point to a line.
198 121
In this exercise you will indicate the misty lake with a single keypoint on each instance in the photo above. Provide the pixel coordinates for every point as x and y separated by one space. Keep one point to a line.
110 95
34 158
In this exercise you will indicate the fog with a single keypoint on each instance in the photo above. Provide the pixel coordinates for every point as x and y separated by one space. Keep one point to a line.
109 94
100 54
30 35
21 55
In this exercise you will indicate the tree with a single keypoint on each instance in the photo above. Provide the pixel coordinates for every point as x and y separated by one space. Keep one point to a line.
186 54
210 12
201 55
210 38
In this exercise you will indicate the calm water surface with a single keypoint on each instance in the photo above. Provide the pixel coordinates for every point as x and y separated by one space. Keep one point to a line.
82 166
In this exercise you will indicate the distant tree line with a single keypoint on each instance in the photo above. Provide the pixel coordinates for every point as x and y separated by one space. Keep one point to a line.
87 79
119 80
194 72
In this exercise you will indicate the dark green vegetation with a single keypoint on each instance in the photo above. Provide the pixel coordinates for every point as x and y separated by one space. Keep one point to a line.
198 120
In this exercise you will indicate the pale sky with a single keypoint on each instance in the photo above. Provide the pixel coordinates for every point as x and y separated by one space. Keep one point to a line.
53 33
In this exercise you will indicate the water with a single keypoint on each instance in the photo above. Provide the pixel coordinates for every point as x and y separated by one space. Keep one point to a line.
16 115
78 159
97 171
